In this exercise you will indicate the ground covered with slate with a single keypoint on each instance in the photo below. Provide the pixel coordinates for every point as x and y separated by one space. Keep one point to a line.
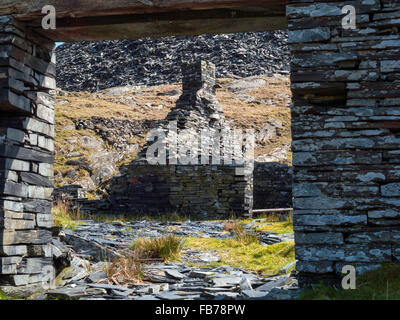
93 66
91 244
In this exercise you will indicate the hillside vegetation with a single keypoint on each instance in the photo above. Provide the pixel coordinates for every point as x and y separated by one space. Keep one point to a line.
94 153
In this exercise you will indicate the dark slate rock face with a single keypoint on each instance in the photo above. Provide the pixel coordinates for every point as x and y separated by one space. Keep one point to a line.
272 185
91 66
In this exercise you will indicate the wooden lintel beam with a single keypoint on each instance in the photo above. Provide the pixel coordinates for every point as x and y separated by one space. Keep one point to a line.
164 24
30 9
158 29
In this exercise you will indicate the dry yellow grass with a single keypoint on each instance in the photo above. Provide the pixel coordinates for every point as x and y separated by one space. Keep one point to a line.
166 248
74 105
133 105
252 115
81 105
126 269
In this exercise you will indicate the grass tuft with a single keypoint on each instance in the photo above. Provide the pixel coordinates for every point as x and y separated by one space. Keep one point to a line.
125 269
166 247
131 267
241 234
65 216
230 226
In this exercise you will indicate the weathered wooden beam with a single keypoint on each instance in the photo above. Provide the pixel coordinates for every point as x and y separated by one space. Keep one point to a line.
158 29
82 20
86 8
164 24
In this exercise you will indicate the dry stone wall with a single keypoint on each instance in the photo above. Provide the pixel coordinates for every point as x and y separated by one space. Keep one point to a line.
272 185
27 74
345 124
206 190
222 189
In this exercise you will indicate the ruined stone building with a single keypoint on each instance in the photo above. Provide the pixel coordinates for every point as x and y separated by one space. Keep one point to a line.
345 118
200 182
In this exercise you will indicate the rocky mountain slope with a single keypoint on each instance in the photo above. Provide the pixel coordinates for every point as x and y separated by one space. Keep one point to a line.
92 66
97 133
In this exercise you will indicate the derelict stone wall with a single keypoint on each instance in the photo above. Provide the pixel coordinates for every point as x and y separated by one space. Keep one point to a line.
346 137
272 185
207 190
179 185
27 74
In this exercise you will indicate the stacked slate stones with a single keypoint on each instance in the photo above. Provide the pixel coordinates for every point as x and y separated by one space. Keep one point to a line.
272 185
27 74
345 124
188 185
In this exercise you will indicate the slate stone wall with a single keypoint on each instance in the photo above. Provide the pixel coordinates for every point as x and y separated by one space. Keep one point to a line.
272 185
209 190
27 74
346 134
206 190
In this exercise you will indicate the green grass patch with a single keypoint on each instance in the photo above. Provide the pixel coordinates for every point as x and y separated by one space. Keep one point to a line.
380 284
64 216
3 296
241 234
265 260
270 224
277 227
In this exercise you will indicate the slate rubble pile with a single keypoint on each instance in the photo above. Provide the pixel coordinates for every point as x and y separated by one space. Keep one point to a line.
120 234
115 132
92 243
93 66
176 282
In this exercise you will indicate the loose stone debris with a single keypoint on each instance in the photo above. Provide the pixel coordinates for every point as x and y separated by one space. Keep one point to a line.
92 243
156 61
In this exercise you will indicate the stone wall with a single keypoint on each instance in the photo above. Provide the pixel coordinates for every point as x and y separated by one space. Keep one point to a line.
272 185
206 190
27 74
180 185
345 124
